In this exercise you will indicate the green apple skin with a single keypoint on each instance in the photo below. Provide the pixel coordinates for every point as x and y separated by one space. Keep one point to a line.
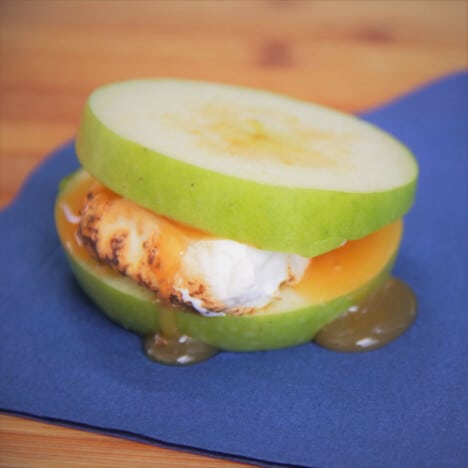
307 222
135 308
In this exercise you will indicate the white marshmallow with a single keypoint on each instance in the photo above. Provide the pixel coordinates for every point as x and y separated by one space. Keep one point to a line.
234 276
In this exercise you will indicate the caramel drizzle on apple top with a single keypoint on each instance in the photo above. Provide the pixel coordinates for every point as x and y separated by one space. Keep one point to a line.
263 134
374 322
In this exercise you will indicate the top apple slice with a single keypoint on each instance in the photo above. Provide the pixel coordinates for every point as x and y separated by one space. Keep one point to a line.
247 165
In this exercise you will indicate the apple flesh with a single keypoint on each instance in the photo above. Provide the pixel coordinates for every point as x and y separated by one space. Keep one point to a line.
246 165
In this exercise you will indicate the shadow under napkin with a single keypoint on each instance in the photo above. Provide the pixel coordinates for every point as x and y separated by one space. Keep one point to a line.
404 405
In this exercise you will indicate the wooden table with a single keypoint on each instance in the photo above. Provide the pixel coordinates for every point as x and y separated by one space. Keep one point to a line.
351 55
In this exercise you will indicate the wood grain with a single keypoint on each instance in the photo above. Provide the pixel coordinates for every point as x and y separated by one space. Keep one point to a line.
351 55
25 443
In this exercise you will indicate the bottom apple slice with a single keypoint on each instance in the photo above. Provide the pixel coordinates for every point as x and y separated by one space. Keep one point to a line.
334 282
135 308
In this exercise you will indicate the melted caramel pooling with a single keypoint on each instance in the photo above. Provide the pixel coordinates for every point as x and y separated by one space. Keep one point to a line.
379 319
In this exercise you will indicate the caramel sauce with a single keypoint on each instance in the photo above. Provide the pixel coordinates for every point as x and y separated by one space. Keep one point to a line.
347 268
379 319
173 240
170 346
68 215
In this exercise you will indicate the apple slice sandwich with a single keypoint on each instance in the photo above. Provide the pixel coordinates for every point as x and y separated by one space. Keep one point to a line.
252 219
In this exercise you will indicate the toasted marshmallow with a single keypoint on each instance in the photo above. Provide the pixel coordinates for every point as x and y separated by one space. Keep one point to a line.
229 277
212 276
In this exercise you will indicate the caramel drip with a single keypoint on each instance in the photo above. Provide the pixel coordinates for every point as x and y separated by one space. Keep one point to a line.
378 320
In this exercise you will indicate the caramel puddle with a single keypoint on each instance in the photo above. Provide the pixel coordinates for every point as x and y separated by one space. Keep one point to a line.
170 346
379 319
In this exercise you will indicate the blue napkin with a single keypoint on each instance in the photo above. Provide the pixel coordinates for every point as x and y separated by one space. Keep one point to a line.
404 405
